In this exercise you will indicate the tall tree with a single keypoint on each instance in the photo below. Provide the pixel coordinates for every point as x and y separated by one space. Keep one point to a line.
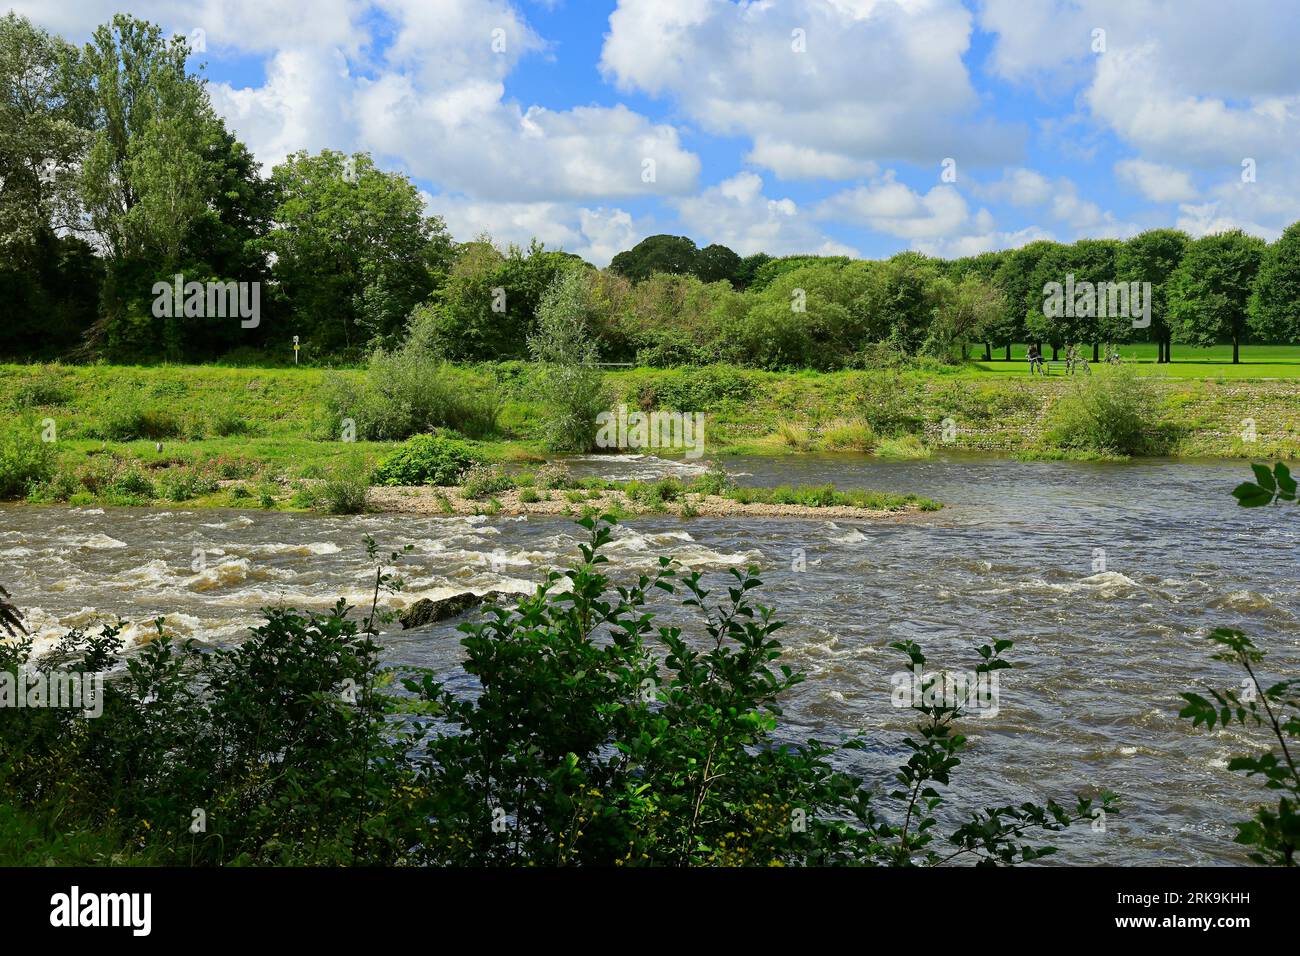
1048 264
901 298
1015 277
1209 292
41 143
672 254
1152 256
354 250
1275 299
145 178
996 328
49 280
716 263
1093 260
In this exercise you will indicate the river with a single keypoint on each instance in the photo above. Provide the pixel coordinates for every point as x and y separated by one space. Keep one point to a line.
1106 576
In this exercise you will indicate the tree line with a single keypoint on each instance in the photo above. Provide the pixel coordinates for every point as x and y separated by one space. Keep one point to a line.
117 174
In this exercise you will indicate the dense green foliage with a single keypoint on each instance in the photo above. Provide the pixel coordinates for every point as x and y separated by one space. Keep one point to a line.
426 460
1275 300
116 147
1209 293
25 460
354 252
1114 410
571 385
406 392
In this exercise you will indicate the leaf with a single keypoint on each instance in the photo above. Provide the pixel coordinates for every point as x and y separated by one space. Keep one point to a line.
1264 477
1285 482
1250 495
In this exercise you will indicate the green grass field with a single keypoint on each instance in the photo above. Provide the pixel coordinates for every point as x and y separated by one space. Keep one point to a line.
265 427
1257 361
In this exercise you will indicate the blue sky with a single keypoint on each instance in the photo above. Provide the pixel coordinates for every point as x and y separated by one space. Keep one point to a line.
784 126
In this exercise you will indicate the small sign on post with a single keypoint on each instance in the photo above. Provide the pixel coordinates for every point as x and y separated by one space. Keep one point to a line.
295 350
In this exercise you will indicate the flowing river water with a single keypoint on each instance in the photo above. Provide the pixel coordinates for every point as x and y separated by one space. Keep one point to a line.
1106 576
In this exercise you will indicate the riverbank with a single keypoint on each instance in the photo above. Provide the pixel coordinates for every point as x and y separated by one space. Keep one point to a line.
135 435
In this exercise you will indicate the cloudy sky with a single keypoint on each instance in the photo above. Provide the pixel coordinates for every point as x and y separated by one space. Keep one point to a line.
853 126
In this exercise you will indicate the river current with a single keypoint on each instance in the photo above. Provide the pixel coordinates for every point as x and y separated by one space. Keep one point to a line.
1106 577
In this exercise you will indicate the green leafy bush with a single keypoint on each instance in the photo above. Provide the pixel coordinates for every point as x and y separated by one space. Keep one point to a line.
185 484
715 481
426 460
601 738
888 402
554 476
408 392
25 460
1115 410
1273 833
131 486
696 389
344 492
60 486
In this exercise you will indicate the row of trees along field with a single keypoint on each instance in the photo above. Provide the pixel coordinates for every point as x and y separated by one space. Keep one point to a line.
116 173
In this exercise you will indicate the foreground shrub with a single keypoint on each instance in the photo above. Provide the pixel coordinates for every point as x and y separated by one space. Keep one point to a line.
276 740
603 738
185 484
1273 834
1114 410
426 460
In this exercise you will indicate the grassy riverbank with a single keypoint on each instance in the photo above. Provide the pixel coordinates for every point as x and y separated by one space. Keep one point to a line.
129 435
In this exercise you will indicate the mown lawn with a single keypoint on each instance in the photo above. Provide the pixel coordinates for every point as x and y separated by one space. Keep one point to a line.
1257 361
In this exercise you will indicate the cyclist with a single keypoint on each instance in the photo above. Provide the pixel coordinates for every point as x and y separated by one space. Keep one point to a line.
1035 360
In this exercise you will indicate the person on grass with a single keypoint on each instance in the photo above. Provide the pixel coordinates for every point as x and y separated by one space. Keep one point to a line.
1035 359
